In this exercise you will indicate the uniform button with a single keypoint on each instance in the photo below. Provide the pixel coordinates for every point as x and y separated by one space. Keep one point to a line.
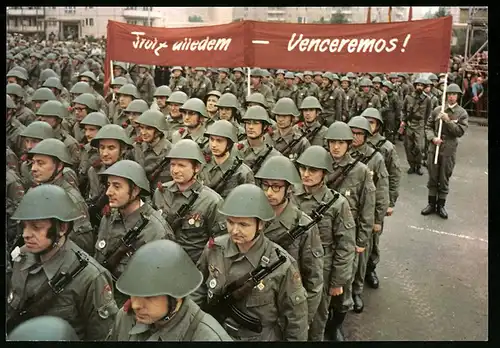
297 298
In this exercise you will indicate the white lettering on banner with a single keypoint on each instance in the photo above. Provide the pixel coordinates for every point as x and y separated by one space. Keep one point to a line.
206 44
147 44
351 45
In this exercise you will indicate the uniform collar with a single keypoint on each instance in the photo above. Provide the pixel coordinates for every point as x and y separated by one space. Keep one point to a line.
287 217
130 221
187 193
158 148
224 166
361 150
51 266
318 195
375 138
347 159
253 255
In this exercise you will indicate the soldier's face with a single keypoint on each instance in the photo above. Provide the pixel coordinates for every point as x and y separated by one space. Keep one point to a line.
237 75
161 101
176 73
452 98
318 79
109 151
311 176
132 117
373 124
419 87
117 71
90 132
30 143
243 229
43 167
211 102
191 119
365 89
182 170
226 113
427 89
296 80
11 80
280 77
200 73
218 145
120 192
324 82
344 84
310 115
385 89
359 137
52 121
254 80
284 121
253 129
289 82
124 100
148 134
149 310
35 234
174 110
275 191
222 76
376 85
80 111
338 148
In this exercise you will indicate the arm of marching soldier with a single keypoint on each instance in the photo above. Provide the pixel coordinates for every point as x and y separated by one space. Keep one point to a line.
404 115
394 168
99 307
200 295
397 107
384 103
344 239
366 210
458 127
269 99
430 132
339 103
382 192
292 305
376 102
311 269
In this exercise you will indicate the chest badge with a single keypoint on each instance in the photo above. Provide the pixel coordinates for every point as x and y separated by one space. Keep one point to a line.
213 283
102 244
261 286
191 221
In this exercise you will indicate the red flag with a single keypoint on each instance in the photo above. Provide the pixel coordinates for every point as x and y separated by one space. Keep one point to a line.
369 15
410 14
390 14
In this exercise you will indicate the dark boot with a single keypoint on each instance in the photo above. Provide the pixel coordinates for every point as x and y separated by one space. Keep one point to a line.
440 208
418 170
411 170
358 303
337 320
372 279
431 207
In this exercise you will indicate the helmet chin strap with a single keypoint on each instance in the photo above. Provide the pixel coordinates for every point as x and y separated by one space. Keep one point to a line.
171 311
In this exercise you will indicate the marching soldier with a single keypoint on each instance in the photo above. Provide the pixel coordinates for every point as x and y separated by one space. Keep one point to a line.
280 174
178 82
314 130
153 148
269 309
338 237
224 171
44 328
224 84
199 84
267 80
288 89
434 88
353 180
240 83
40 96
331 100
416 109
364 99
211 100
145 84
129 218
434 104
406 88
257 86
189 206
350 95
312 89
161 95
18 95
120 70
62 93
90 78
392 115
34 70
194 115
285 139
155 299
14 192
66 70
21 78
391 160
384 100
229 110
83 105
13 128
52 275
113 98
455 123
175 120
133 111
126 94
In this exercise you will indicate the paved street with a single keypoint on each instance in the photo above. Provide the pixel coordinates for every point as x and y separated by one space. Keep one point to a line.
433 272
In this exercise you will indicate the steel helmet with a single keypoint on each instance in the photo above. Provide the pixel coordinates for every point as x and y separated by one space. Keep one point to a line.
46 202
160 267
52 108
129 89
38 130
97 119
228 100
118 81
17 74
366 83
80 88
289 75
256 72
52 147
138 106
10 103
316 157
46 73
214 93
15 89
43 94
187 149
154 119
223 128
310 103
256 98
345 78
285 106
388 84
53 82
177 97
361 123
279 168
377 79
163 91
196 105
247 200
432 77
453 88
88 74
111 131
44 328
372 113
256 113
419 81
87 99
23 71
308 73
129 170
200 68
339 131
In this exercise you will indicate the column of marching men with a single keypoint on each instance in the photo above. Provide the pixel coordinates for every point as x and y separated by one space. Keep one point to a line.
204 211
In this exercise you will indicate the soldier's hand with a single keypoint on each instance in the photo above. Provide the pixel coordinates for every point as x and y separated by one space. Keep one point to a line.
389 212
336 291
437 141
377 228
444 116
359 250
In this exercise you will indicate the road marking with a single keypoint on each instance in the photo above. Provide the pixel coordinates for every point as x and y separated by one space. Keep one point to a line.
260 42
449 234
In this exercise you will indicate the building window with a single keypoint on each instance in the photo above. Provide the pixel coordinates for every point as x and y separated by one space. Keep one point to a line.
89 7
131 8
69 9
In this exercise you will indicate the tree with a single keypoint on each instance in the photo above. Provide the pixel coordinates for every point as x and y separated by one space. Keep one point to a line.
441 12
321 21
194 19
338 18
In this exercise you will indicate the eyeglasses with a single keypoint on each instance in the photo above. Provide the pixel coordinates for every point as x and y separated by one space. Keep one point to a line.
274 188
358 133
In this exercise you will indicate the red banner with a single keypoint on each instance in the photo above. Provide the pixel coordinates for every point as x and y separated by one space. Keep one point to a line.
417 46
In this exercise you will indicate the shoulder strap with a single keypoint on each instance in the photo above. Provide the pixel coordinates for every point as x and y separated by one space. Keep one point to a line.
194 325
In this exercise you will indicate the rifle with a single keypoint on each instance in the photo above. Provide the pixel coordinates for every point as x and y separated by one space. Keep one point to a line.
294 142
182 211
258 162
157 169
126 247
337 180
34 307
223 306
219 185
312 133
287 239
95 209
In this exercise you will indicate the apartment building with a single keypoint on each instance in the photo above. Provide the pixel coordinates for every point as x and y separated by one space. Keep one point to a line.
26 20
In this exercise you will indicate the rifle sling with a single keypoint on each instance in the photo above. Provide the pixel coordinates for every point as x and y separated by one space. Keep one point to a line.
222 182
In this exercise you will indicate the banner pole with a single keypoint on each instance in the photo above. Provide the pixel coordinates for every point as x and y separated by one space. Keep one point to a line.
111 74
443 100
248 82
